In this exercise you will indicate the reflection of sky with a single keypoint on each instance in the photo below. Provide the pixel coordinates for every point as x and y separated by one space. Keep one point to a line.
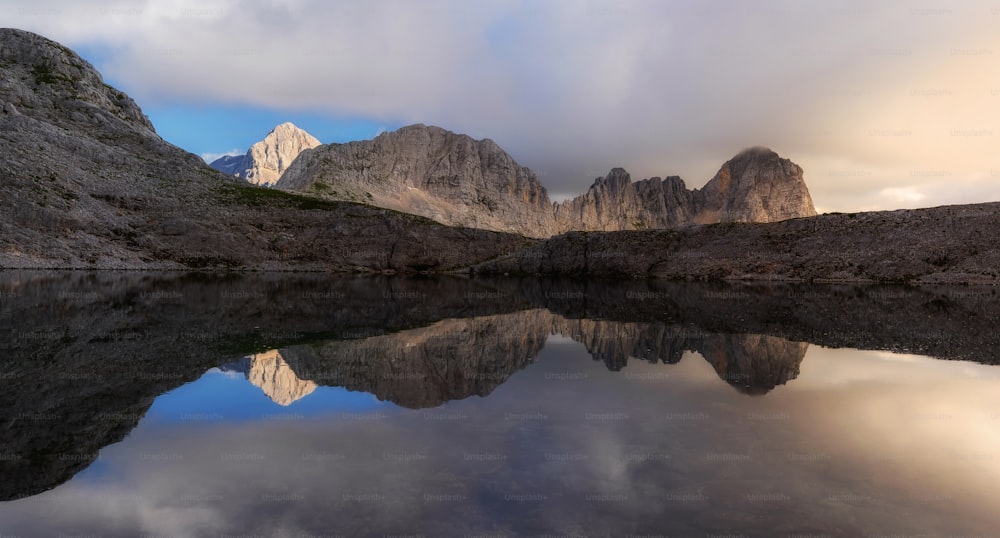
229 396
863 443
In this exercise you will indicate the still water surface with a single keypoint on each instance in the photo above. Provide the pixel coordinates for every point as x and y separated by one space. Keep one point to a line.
277 405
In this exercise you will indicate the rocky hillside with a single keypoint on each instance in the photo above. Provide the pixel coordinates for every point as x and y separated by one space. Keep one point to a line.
87 183
266 160
456 180
431 172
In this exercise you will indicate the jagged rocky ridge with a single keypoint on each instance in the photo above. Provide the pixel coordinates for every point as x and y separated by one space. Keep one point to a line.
266 160
754 186
459 181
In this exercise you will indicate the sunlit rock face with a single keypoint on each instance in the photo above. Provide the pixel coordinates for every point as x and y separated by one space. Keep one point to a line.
754 186
266 160
273 376
429 171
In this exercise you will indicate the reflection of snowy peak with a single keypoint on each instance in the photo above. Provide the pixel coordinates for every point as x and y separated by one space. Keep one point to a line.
273 376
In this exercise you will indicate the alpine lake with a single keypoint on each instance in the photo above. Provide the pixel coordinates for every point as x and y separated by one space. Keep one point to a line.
149 404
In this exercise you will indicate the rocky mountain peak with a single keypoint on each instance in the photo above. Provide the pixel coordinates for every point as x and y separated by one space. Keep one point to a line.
46 81
429 171
267 160
616 180
756 185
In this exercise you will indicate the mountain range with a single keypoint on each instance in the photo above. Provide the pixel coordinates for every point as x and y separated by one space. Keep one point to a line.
88 184
459 181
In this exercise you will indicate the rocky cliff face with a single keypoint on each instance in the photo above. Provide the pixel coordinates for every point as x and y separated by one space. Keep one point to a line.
456 180
616 203
88 183
754 186
431 172
266 160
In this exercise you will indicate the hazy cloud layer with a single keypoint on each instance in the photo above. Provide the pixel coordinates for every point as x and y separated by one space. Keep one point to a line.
888 105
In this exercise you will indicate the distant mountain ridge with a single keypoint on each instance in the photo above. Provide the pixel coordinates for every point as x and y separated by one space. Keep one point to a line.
457 180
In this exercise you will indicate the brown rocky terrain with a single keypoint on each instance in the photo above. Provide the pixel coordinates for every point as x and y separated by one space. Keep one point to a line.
269 372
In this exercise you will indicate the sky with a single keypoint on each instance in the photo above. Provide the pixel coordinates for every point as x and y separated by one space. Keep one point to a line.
885 105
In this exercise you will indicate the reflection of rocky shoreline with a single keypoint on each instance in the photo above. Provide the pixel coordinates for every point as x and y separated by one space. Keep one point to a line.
85 354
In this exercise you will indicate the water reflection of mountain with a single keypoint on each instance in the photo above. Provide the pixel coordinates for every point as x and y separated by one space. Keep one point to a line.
269 372
87 353
457 358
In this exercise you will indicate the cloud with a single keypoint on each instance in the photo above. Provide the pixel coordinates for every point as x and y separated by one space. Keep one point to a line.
209 157
573 89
